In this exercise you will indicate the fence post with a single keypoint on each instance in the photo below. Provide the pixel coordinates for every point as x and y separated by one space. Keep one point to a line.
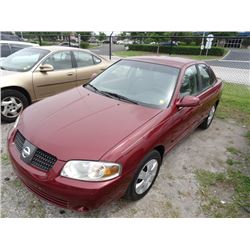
110 40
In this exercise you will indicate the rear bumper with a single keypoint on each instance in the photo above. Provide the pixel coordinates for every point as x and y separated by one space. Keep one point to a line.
65 192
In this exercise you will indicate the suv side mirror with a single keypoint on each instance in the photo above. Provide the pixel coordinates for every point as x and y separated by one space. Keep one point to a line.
46 67
188 101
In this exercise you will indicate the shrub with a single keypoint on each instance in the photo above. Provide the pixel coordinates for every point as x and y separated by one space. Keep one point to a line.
179 50
84 45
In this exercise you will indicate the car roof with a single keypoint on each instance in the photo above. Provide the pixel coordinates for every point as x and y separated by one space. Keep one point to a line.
18 42
54 48
59 48
177 62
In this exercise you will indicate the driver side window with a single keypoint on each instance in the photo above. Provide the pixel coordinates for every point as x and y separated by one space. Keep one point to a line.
60 60
190 82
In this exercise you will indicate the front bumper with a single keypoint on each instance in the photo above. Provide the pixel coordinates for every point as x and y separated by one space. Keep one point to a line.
65 192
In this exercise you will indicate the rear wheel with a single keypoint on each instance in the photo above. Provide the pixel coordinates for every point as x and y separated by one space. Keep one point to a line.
207 122
145 176
12 104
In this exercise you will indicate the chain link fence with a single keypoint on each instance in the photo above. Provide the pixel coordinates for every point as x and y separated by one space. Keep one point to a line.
229 56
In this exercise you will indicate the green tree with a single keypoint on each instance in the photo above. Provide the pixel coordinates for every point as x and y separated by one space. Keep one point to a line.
102 36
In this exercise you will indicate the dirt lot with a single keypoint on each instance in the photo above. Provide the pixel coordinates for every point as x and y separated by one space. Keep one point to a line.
190 182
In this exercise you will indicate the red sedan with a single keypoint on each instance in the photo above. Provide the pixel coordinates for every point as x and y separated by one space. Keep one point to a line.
96 143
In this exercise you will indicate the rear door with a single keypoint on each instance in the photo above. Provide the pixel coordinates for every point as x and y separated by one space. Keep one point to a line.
87 65
207 93
62 78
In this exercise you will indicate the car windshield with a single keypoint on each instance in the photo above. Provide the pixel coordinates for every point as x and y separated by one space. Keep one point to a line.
139 82
23 60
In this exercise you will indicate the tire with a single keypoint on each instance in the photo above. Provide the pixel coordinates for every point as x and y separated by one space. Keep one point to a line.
139 187
12 104
207 122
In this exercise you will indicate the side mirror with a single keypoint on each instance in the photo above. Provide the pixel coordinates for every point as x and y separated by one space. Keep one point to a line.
188 101
46 67
94 75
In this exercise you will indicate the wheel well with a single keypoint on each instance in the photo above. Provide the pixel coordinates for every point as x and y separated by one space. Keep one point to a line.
22 90
161 150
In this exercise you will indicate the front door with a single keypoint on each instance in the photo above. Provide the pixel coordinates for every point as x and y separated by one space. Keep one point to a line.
62 78
186 118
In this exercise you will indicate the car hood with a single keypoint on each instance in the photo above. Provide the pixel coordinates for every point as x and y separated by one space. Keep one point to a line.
80 124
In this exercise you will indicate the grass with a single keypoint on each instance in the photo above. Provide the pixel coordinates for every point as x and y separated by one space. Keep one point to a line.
143 53
233 150
235 103
5 158
214 206
226 194
247 135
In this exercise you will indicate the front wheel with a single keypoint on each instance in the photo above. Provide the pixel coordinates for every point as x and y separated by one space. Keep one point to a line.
207 122
145 176
12 104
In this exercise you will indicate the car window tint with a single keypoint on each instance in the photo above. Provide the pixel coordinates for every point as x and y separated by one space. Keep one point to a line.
5 50
60 60
206 78
190 82
83 59
16 47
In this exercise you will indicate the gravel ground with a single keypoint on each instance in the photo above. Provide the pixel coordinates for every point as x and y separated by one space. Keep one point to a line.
174 194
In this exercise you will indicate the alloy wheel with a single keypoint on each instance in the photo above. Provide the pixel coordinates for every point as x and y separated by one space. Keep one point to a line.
146 176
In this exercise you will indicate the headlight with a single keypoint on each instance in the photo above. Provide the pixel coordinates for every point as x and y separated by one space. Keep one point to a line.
91 170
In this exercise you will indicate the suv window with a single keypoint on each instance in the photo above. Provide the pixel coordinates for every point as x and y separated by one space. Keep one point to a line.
190 82
60 60
83 59
207 79
5 49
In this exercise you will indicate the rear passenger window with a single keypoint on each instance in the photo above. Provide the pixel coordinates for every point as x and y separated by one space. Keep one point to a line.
60 60
190 82
83 59
206 77
5 50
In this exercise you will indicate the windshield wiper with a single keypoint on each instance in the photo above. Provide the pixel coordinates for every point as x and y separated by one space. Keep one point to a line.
93 87
120 97
2 68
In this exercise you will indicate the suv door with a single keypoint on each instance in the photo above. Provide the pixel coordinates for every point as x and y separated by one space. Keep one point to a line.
62 78
206 81
87 65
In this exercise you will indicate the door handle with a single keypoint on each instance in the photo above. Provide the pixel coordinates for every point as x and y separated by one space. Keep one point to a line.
70 74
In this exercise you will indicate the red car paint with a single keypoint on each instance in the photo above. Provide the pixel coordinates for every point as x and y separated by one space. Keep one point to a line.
82 125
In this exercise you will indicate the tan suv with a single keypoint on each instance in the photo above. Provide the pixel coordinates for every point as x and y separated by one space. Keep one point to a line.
32 74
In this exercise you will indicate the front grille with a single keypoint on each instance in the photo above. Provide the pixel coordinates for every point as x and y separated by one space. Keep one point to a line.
19 141
41 159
